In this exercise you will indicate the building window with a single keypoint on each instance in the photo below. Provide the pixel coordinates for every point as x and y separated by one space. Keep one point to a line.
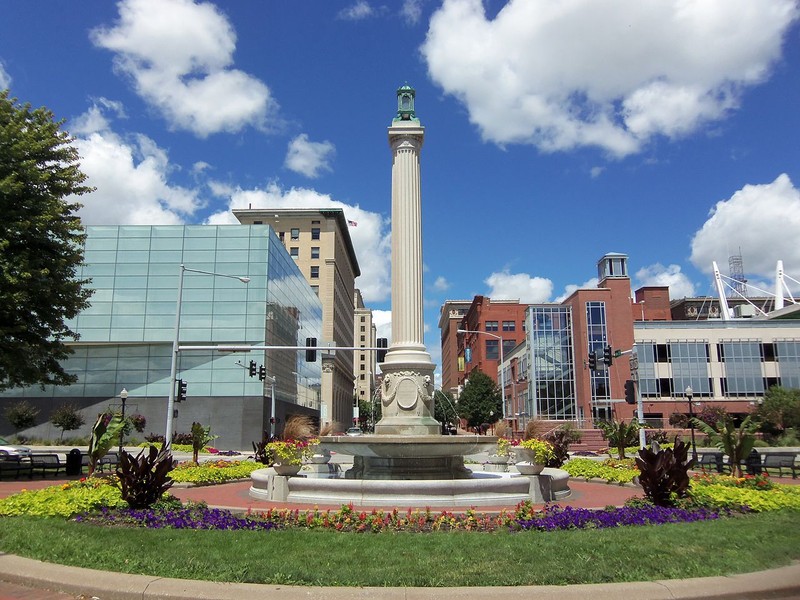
690 367
362 338
363 357
315 233
492 350
315 289
787 353
363 319
258 222
742 368
509 326
295 233
281 235
314 251
294 252
491 325
315 272
363 328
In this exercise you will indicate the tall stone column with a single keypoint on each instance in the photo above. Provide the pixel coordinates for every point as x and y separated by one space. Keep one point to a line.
407 391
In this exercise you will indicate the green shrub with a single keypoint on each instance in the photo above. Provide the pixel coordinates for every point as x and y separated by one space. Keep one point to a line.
63 500
209 473
664 474
735 492
21 414
144 479
610 471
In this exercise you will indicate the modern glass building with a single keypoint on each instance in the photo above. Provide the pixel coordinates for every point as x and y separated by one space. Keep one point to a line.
551 370
126 335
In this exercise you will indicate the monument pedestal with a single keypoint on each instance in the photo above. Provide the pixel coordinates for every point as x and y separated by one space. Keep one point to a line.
407 394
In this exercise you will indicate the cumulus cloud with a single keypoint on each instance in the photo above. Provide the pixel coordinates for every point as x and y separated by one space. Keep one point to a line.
178 55
361 9
309 158
371 237
130 174
441 284
680 286
382 319
411 11
610 74
5 78
519 286
572 288
761 222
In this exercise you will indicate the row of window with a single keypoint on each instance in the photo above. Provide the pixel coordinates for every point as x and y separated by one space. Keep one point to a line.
702 387
294 252
726 351
495 326
294 233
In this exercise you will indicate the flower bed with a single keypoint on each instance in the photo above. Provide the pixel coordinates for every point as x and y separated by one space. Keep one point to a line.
755 492
64 500
213 472
611 470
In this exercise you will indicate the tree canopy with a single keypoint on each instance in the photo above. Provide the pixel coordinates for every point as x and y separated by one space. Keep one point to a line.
780 410
41 245
481 401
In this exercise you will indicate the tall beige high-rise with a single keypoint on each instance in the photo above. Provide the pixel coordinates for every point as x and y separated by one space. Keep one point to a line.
407 389
319 241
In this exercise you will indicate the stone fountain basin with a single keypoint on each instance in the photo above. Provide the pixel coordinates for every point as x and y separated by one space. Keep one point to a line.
409 446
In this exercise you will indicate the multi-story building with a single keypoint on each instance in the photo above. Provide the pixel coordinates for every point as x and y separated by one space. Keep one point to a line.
728 363
491 330
450 316
319 242
364 334
127 333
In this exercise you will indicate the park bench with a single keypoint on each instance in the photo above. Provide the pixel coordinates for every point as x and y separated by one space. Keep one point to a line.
779 461
712 461
15 465
110 460
46 462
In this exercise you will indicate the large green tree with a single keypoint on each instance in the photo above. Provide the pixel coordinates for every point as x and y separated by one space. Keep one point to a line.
481 401
41 245
780 410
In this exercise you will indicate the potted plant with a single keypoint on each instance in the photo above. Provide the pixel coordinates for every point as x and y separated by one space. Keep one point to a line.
287 455
501 454
533 455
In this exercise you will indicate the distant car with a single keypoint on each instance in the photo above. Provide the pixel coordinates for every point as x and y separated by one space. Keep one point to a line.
9 449
354 431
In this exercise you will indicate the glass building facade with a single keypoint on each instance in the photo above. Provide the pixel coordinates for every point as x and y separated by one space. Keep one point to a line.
126 334
551 366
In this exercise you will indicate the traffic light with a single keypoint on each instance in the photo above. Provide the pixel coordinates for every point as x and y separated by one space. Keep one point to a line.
630 392
272 420
608 355
311 349
262 373
592 361
252 369
382 343
181 391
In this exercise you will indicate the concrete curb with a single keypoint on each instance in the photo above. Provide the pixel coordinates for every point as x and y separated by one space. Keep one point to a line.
783 582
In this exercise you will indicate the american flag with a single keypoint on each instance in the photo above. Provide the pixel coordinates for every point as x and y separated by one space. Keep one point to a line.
352 223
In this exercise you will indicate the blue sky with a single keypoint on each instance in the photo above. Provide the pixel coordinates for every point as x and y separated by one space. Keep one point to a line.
555 131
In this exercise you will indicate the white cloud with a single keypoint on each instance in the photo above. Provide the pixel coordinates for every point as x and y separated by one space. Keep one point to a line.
309 158
518 286
371 237
572 288
605 73
178 54
411 11
595 172
382 319
680 286
760 222
130 175
5 78
441 284
361 9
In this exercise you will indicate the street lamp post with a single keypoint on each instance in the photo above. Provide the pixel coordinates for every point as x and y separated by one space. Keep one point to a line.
123 396
176 342
689 396
502 376
272 418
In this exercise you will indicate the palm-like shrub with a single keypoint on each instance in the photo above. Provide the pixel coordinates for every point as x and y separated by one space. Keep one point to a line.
104 433
664 474
200 437
619 435
561 438
145 478
736 442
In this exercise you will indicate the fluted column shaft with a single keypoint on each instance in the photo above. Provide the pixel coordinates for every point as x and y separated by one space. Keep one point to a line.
407 321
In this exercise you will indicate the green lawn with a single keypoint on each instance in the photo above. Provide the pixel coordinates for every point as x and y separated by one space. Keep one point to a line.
317 557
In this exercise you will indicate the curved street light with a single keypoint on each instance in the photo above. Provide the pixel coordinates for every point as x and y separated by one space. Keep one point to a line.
175 344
